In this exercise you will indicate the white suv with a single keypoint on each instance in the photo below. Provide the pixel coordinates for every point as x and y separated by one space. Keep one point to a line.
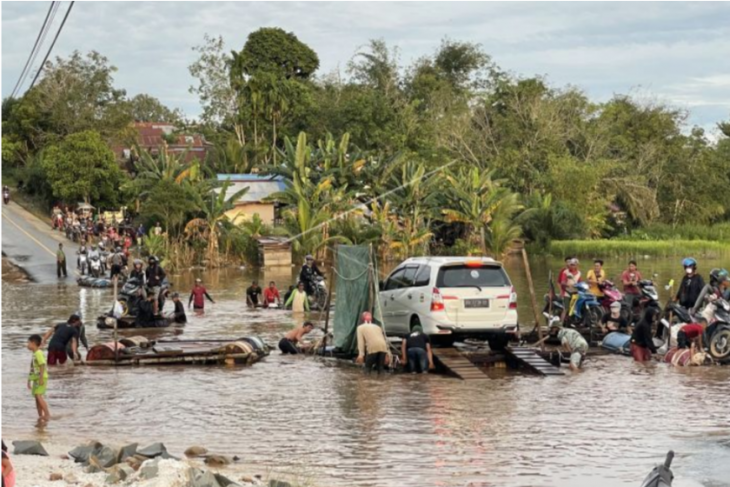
456 297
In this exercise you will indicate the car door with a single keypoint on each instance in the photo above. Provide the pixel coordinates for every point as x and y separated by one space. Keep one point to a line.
387 299
402 298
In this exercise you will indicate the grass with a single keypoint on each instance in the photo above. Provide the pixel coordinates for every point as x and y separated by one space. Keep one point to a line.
653 248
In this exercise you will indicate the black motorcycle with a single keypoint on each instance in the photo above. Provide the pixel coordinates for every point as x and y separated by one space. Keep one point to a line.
129 296
662 475
717 335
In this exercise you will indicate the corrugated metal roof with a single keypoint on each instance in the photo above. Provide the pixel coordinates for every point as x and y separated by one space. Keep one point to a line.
257 191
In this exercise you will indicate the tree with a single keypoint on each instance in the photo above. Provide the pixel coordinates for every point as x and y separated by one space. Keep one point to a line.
146 108
83 168
171 202
217 96
274 51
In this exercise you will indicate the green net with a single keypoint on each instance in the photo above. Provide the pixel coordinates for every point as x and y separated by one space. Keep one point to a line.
356 293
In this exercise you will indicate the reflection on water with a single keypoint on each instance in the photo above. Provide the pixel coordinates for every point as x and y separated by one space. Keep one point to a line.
607 425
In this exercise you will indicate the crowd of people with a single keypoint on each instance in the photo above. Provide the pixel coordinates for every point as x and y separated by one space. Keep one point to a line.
641 322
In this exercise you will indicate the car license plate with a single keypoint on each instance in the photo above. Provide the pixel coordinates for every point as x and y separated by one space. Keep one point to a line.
476 303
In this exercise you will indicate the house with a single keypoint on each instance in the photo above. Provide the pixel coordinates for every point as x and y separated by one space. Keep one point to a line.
274 252
253 202
151 136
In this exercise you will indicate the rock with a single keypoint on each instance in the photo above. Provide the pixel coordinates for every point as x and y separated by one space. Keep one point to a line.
55 477
247 479
65 457
236 458
81 453
150 469
134 463
126 452
71 478
224 481
167 456
119 473
203 479
279 483
195 451
217 460
29 448
153 450
93 469
105 456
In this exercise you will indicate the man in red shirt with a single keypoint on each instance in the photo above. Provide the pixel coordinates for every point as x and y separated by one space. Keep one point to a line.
271 295
198 295
689 333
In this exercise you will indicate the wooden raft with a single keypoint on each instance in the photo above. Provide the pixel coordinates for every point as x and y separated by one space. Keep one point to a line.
530 359
458 364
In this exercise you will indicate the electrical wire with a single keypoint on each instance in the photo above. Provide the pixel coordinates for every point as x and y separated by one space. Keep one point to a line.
60 28
43 29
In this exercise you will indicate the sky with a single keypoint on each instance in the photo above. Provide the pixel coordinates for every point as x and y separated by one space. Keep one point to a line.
675 53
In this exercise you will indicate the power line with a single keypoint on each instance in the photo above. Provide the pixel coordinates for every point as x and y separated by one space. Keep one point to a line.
35 46
60 28
43 41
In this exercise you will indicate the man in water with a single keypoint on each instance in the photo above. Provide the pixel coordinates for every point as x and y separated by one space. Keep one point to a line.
372 346
61 261
573 343
271 295
289 343
62 335
252 294
155 275
416 351
298 300
147 312
198 295
179 315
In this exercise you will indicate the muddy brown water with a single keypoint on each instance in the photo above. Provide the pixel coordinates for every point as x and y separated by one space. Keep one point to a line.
606 426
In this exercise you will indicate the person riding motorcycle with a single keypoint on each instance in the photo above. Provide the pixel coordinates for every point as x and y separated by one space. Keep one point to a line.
6 194
119 261
138 271
83 250
691 286
155 275
308 274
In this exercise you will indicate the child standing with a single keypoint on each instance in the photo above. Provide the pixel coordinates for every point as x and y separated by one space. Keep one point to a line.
38 377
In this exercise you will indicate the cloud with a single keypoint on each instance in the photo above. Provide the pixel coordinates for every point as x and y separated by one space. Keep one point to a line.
679 51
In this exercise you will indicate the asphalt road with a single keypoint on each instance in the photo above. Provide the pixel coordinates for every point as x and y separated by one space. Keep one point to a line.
31 244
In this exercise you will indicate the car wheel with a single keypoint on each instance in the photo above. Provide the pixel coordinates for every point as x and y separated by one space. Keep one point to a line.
720 345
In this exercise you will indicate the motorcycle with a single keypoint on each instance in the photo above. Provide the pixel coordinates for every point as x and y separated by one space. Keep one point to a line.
6 196
612 295
585 311
649 298
83 263
129 297
717 334
661 476
95 268
320 292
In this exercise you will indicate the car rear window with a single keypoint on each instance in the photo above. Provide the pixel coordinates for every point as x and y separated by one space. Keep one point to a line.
465 276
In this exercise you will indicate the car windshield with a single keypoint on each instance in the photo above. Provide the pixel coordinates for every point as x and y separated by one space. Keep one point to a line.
466 276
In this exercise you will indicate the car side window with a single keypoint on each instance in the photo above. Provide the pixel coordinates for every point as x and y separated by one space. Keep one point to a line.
409 276
395 280
423 276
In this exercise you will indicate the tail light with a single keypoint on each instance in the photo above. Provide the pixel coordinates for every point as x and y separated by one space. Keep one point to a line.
513 299
437 301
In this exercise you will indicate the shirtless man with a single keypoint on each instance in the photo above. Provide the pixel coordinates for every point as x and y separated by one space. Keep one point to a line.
288 344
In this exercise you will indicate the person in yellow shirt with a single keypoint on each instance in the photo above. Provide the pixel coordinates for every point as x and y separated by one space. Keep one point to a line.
595 277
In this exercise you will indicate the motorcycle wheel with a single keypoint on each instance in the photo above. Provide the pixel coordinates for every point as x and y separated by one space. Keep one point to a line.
321 299
720 345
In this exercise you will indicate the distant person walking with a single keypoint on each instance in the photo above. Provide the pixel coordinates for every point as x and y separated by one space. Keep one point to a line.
61 261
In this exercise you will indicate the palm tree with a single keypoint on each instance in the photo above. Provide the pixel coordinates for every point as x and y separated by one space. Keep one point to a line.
487 208
214 220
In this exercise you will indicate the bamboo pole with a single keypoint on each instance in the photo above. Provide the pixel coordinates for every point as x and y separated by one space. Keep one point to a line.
116 336
327 313
535 309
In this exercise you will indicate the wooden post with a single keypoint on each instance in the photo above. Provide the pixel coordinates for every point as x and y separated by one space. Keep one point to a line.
535 310
116 338
327 314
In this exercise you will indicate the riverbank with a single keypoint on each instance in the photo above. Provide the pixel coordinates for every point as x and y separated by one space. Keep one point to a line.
640 248
58 469
14 274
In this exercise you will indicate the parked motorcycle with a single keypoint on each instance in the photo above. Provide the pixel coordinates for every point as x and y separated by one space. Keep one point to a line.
662 475
585 311
649 298
129 297
95 267
612 295
320 292
717 334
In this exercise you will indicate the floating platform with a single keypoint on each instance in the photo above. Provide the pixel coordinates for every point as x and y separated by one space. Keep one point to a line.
104 322
458 364
96 282
140 351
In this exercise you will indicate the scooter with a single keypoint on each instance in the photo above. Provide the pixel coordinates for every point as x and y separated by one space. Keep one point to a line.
612 295
95 266
6 196
320 292
717 335
661 476
585 311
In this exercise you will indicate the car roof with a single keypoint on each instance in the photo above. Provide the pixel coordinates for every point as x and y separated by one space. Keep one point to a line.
449 260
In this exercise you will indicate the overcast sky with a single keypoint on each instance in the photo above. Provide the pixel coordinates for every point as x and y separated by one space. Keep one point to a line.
674 52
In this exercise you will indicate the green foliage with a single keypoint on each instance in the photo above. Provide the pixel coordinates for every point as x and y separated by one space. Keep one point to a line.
272 50
169 202
82 168
663 248
146 108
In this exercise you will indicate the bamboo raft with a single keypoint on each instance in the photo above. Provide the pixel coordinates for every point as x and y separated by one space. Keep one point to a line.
139 350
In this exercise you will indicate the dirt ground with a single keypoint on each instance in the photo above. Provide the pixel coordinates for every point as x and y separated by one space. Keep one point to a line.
13 273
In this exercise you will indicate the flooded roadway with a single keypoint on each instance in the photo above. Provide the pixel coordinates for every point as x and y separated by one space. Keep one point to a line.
606 426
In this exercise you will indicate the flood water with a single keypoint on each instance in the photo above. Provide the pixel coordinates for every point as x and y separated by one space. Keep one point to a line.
605 427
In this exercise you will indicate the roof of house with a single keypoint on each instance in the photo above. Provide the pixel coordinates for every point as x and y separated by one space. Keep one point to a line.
150 136
259 187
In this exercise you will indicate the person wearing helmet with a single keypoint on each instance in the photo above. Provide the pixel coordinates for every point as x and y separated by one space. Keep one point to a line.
691 286
138 272
118 262
613 321
154 276
308 274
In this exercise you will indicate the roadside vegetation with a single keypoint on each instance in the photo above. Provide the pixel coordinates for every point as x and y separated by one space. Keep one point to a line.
448 155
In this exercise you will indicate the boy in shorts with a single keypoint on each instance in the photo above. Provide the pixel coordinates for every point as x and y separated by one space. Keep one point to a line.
38 377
